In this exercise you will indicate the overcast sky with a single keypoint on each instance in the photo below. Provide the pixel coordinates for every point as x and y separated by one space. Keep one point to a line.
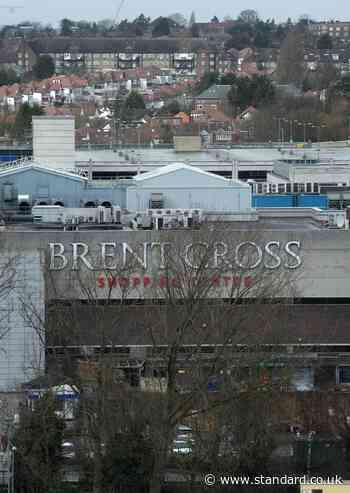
54 10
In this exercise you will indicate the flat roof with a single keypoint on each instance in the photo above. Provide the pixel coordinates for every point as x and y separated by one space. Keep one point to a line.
150 155
263 224
244 154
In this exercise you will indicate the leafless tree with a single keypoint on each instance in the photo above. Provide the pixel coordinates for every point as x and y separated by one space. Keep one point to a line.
204 298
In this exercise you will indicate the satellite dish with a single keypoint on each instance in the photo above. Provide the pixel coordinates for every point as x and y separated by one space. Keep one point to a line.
340 221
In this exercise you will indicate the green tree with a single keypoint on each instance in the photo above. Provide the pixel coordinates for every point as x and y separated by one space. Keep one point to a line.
8 77
325 42
44 67
192 19
38 442
141 24
342 86
172 108
161 27
290 67
134 107
208 79
66 27
178 18
257 91
248 16
194 30
166 134
23 121
128 462
242 36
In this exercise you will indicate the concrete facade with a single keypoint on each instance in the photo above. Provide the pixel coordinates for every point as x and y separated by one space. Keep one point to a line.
22 307
54 141
324 272
309 173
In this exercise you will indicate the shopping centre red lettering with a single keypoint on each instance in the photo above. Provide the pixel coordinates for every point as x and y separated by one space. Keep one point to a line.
110 281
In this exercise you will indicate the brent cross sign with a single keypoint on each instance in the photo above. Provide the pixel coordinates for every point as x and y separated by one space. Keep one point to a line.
111 256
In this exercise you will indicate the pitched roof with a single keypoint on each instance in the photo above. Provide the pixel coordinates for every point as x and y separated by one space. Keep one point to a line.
11 170
112 45
172 168
8 50
216 91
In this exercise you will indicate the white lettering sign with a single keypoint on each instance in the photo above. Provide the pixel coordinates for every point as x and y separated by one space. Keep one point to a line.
111 256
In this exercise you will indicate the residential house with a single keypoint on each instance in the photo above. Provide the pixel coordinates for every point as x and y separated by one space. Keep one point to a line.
214 98
338 31
16 54
97 54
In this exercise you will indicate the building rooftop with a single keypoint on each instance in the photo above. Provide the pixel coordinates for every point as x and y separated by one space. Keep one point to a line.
216 91
171 168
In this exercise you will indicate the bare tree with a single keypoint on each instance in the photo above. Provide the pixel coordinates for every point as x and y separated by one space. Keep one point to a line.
202 297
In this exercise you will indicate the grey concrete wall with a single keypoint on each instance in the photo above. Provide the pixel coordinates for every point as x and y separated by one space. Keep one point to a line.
22 310
324 273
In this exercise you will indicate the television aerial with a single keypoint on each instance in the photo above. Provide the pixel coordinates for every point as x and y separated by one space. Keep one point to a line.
11 8
120 5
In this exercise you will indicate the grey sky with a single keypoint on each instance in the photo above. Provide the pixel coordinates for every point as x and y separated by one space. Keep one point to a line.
54 10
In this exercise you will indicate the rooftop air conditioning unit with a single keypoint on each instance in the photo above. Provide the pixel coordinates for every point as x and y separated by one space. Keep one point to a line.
116 214
156 201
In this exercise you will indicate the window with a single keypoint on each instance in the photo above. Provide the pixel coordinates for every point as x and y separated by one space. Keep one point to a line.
303 379
343 375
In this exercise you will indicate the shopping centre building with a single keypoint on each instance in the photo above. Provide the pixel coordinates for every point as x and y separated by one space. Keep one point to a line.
49 307
84 268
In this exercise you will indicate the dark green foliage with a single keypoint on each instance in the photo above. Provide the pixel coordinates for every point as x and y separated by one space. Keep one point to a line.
208 79
256 92
342 86
44 67
172 108
66 27
133 108
140 25
23 122
242 36
8 77
161 27
128 462
38 442
194 30
258 34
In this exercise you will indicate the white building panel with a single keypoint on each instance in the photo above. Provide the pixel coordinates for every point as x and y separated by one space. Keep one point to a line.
54 141
184 186
22 312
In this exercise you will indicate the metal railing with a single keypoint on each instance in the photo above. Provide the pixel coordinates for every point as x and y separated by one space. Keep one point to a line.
18 163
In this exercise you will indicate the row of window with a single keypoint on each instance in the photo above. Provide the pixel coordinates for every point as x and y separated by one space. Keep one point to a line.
264 188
